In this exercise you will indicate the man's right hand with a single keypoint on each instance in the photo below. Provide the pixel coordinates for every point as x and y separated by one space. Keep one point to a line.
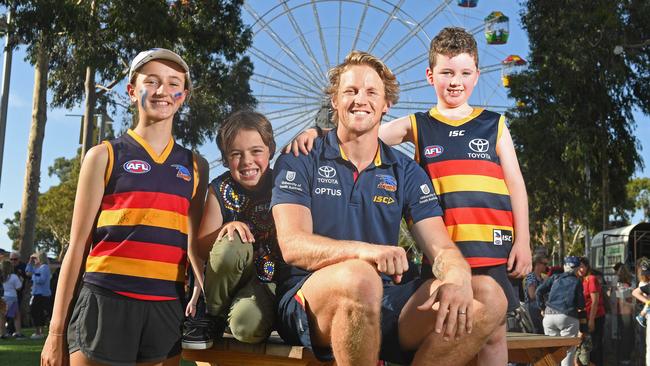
389 260
304 142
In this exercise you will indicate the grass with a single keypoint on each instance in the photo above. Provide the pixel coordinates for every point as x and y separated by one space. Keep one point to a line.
27 352
21 352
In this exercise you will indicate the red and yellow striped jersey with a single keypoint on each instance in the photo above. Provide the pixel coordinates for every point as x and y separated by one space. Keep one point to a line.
140 237
460 158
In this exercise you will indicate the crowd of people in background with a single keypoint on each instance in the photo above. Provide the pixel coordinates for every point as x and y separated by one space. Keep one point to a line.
25 282
573 300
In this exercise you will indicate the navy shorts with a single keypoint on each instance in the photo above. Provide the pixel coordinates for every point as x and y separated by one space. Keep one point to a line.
117 330
293 321
500 275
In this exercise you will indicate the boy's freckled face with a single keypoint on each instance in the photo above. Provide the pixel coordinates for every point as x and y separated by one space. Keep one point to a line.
454 79
248 159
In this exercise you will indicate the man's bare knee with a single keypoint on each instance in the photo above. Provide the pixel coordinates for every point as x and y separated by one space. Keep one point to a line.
493 303
358 281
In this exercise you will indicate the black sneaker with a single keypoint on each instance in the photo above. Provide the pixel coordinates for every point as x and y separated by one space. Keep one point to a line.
217 326
197 334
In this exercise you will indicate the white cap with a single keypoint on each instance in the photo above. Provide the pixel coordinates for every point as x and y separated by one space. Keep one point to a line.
160 54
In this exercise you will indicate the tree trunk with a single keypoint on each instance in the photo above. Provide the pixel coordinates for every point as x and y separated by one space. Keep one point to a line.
34 154
605 188
89 105
89 112
561 235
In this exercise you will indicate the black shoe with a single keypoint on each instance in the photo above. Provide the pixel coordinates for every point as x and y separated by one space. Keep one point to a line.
197 334
217 326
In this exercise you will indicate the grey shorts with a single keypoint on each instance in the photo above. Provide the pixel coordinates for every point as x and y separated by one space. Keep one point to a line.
118 330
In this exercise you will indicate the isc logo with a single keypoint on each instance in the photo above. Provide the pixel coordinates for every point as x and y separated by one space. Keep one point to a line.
456 133
383 199
137 166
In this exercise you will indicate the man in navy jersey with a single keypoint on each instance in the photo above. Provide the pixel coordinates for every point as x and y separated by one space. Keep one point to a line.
337 212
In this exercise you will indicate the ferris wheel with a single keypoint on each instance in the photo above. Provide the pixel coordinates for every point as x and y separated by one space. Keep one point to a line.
295 43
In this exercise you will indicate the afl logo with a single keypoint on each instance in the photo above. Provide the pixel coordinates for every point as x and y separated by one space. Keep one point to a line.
326 171
433 151
137 166
479 145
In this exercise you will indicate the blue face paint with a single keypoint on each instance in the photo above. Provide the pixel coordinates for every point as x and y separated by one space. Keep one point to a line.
178 95
143 98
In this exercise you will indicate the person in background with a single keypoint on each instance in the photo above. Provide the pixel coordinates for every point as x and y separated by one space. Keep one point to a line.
624 311
11 283
642 293
564 307
39 269
531 282
595 308
644 279
14 323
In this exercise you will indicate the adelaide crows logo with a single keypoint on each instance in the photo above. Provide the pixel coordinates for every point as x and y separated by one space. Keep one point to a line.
182 172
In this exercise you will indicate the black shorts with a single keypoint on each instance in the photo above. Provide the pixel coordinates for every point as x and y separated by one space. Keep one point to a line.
118 330
293 323
500 275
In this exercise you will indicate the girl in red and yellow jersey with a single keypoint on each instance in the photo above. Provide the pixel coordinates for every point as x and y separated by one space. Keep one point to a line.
138 206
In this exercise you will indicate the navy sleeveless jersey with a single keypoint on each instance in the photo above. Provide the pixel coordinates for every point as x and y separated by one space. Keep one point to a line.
460 158
140 240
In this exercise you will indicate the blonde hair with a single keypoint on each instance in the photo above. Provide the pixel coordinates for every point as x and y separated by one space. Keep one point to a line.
354 58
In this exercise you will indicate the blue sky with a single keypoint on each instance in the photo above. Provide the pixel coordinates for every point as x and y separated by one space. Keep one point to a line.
62 132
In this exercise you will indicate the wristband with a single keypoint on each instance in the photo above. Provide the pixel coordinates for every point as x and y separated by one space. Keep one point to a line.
647 303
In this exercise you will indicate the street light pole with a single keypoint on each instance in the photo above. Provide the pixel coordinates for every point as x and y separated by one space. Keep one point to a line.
4 99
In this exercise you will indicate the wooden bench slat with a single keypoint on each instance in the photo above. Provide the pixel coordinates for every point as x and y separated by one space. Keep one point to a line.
539 350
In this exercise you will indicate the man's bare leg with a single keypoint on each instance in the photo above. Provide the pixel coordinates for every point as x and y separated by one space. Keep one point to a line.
416 330
495 351
343 304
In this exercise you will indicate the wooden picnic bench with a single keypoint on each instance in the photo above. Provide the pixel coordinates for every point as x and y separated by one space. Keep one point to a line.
535 349
539 350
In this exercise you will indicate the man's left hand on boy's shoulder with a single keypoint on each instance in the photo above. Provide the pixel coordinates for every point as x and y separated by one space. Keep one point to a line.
520 260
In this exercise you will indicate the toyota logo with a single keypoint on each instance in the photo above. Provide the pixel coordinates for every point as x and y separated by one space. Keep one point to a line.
479 145
326 171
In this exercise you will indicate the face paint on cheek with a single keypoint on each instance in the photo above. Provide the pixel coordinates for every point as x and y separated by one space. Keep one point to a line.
143 98
178 95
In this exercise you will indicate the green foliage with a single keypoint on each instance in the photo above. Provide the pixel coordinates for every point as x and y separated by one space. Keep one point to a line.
209 35
573 128
54 210
211 39
638 191
43 237
56 205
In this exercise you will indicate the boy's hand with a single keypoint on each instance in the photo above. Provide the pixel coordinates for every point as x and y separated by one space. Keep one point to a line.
304 142
190 309
519 261
236 226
